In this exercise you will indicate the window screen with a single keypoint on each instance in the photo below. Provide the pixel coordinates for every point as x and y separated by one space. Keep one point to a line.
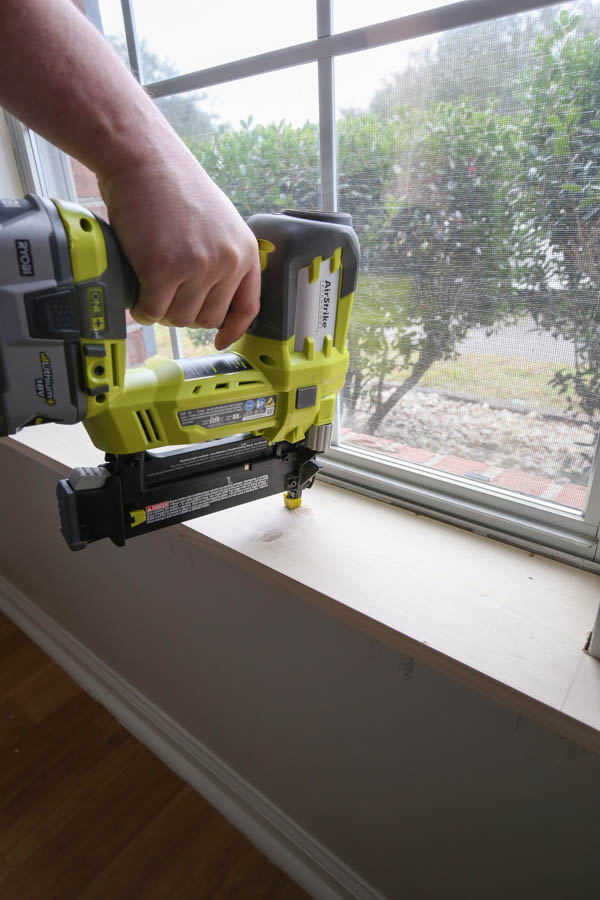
472 174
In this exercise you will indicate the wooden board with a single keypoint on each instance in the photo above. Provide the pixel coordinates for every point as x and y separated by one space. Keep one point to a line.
502 620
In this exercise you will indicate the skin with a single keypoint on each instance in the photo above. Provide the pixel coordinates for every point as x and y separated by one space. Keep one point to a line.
196 259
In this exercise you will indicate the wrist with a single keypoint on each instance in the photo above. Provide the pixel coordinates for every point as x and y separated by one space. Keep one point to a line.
141 140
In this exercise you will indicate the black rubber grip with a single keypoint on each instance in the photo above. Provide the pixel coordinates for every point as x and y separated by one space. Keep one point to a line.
298 237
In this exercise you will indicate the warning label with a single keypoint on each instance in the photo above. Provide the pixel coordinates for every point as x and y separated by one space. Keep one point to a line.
183 506
229 413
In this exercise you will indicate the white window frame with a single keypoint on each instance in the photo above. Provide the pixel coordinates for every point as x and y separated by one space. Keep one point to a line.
566 534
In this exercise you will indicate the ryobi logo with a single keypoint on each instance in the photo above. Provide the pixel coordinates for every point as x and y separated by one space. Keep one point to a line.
24 257
96 308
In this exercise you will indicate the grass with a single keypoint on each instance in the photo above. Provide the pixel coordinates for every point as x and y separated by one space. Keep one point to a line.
509 380
492 378
498 379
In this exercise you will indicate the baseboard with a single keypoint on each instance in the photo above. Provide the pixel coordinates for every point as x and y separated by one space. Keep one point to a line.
293 850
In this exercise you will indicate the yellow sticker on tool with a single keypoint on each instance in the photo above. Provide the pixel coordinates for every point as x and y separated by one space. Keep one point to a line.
96 309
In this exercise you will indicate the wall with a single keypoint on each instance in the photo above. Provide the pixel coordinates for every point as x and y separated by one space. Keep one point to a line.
423 787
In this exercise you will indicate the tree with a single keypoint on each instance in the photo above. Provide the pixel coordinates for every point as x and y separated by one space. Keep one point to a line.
263 168
560 200
447 245
483 218
480 61
367 150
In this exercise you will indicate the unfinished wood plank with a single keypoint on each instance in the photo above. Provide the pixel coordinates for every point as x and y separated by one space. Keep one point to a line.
584 697
69 446
499 619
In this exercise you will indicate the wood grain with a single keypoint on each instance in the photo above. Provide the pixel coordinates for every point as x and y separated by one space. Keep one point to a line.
87 811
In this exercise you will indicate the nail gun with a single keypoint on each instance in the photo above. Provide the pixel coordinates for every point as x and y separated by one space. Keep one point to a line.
182 437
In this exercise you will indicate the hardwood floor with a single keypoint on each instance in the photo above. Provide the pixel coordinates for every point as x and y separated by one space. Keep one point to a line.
86 811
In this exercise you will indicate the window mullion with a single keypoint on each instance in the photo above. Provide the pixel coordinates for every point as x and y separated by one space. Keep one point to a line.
592 500
175 343
27 164
327 140
326 110
92 12
444 18
131 39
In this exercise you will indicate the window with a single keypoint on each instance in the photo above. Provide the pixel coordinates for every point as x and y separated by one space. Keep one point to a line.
464 140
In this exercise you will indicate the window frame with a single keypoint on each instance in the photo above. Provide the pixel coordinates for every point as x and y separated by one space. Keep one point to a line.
558 531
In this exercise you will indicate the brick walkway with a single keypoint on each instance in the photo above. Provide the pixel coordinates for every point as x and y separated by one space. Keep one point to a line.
569 494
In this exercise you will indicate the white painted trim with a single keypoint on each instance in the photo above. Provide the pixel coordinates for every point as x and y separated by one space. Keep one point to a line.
10 177
531 523
287 845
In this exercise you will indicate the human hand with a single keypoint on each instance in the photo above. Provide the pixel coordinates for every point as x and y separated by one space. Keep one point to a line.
196 259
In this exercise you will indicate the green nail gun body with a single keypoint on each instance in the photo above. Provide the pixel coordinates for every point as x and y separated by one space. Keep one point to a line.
237 426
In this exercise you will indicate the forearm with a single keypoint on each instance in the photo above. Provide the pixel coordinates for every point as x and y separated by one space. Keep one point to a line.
59 76
196 260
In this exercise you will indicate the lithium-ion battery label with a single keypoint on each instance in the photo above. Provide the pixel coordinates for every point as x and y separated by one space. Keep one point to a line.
229 413
206 366
182 506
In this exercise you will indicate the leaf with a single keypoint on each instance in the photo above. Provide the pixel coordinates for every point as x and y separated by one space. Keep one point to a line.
561 146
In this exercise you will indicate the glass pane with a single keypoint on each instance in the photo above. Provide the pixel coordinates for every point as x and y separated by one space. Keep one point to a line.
472 173
349 14
185 37
111 18
259 141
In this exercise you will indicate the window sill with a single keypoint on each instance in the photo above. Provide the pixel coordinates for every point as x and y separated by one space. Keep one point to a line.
501 620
